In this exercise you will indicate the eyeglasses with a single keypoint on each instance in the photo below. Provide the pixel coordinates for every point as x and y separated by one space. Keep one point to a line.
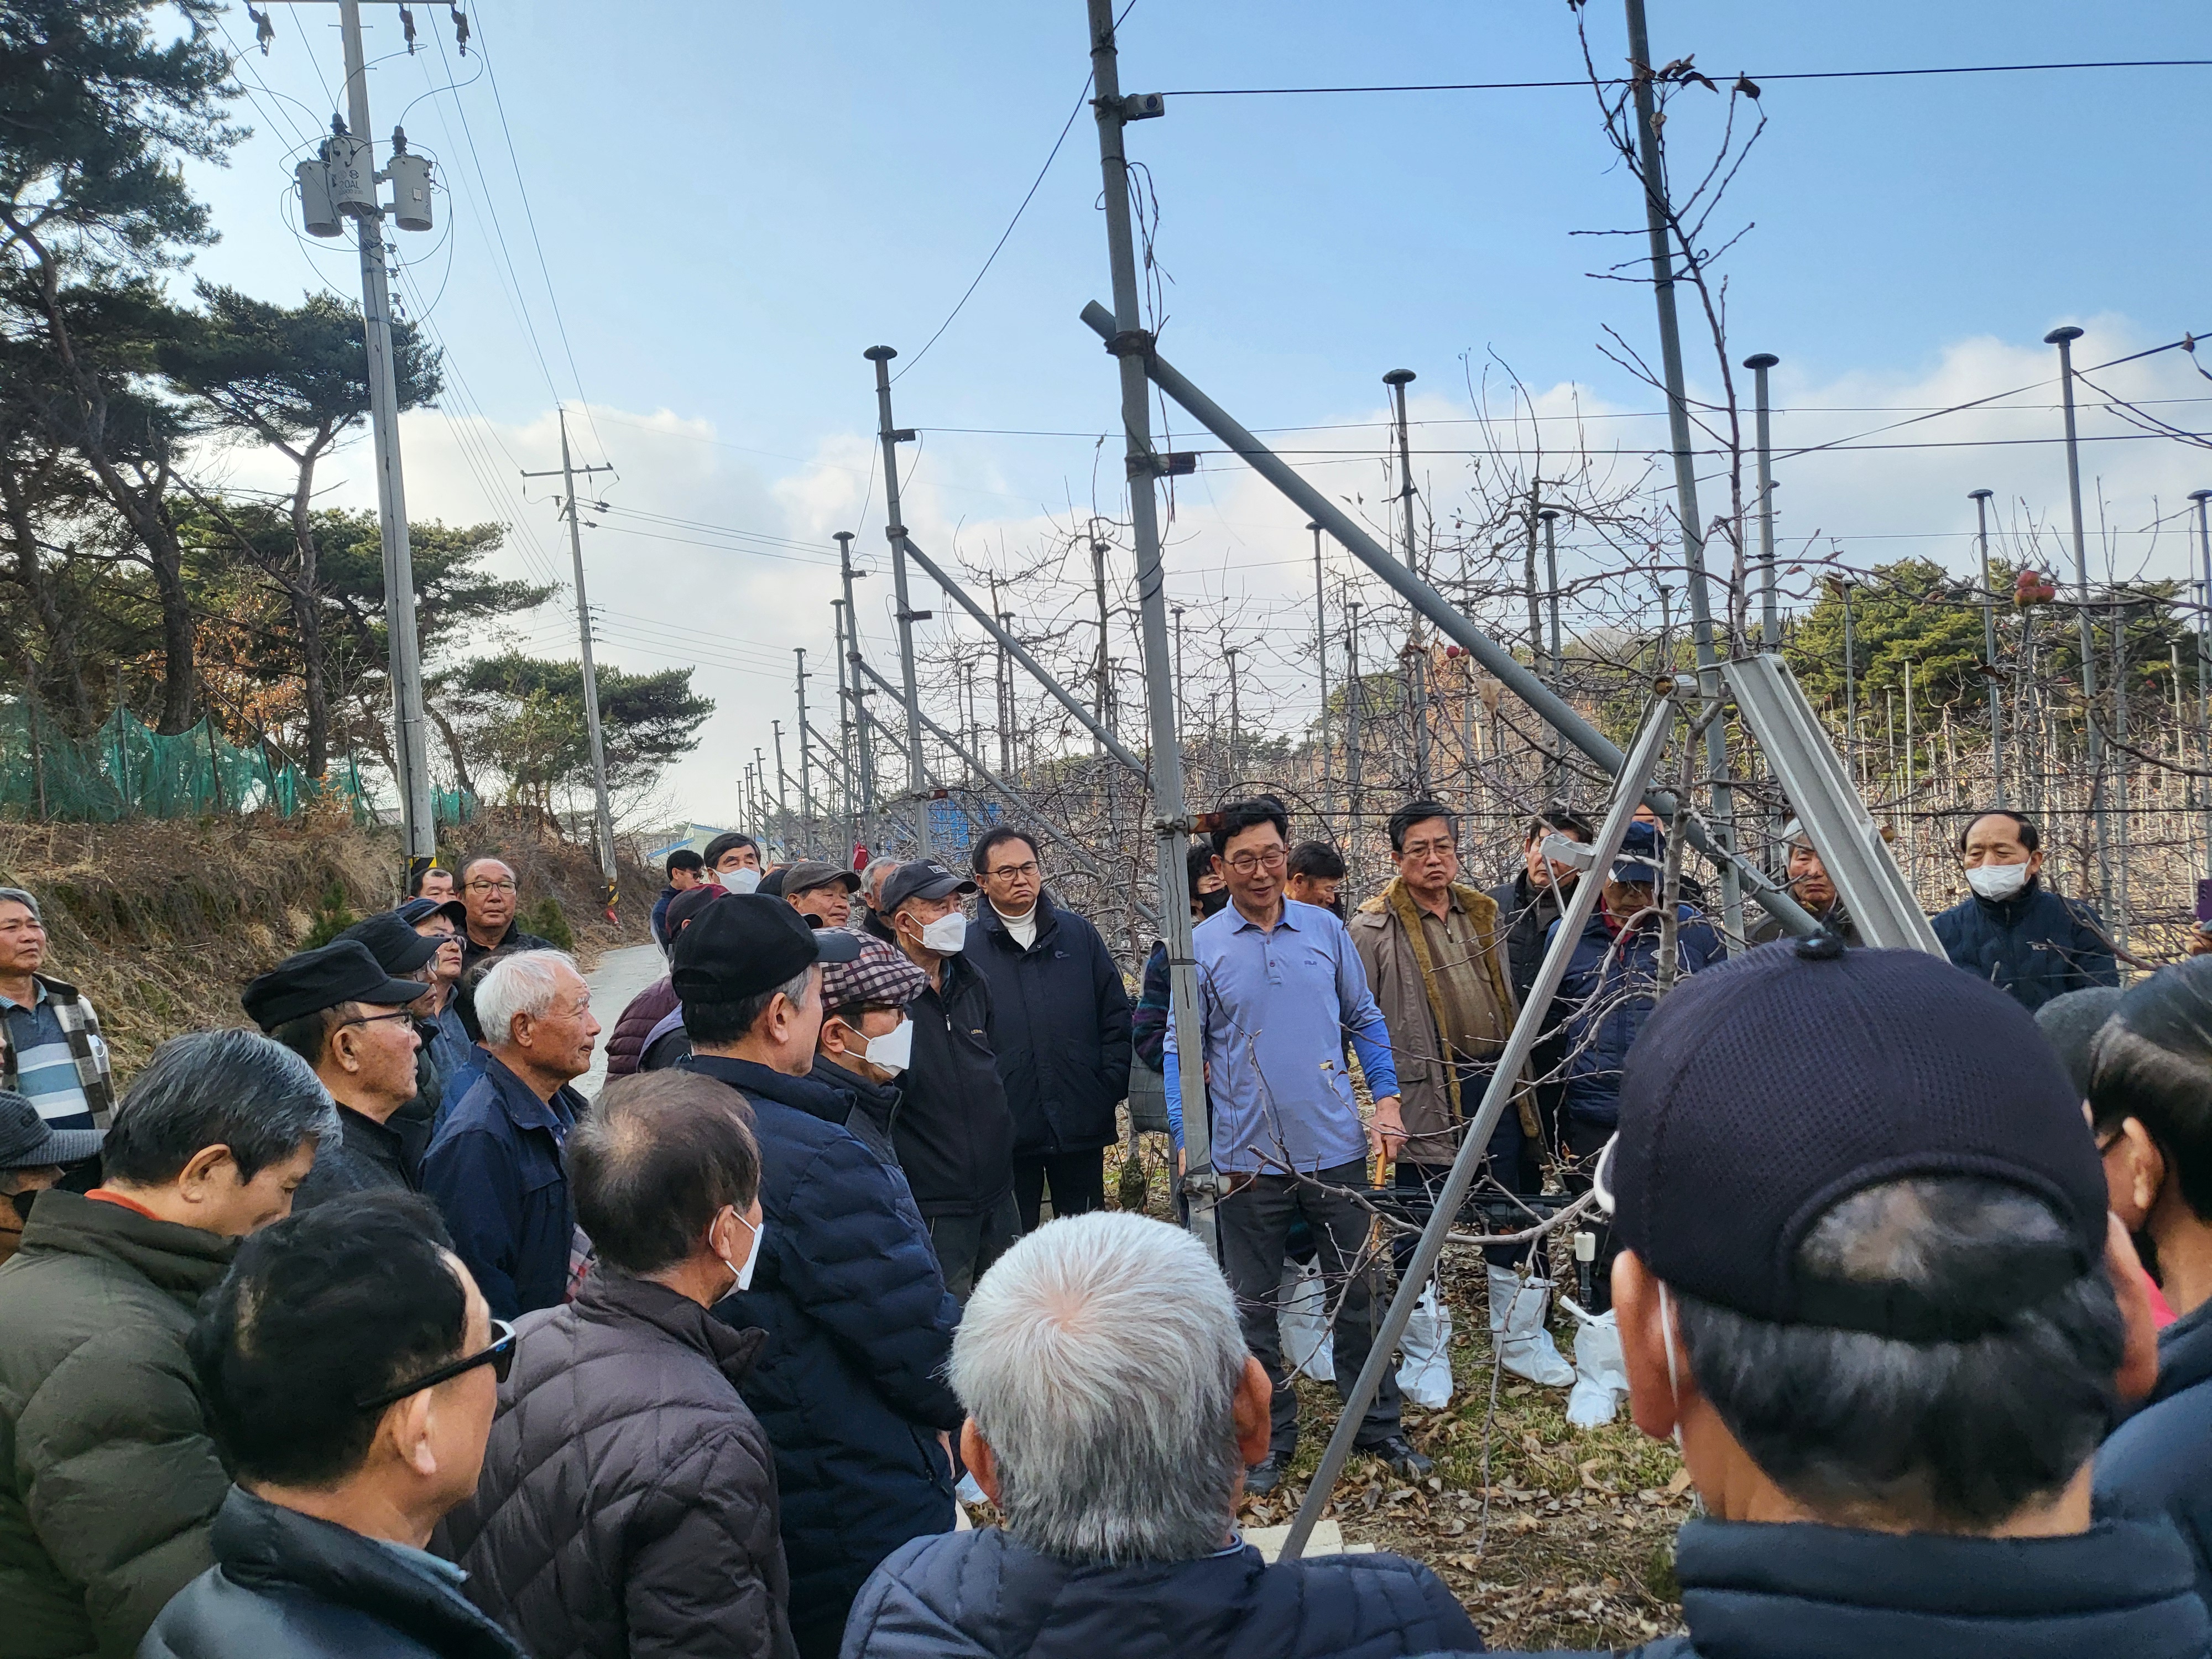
374 1019
1245 863
1006 871
491 887
500 1356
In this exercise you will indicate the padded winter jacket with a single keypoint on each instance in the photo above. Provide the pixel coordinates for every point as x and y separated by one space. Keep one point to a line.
108 1481
1060 1029
2033 946
497 1175
290 1586
955 1134
850 1383
975 1593
628 1502
1607 993
626 1048
2159 1461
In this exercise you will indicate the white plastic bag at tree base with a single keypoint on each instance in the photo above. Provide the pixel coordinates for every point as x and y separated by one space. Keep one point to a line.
1601 1377
1425 1373
1302 1320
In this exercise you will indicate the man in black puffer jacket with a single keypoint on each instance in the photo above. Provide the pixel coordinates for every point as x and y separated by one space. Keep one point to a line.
627 1505
1059 1027
2011 930
1111 1411
850 1383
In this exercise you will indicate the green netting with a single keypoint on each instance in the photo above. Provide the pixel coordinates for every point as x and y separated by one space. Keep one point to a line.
127 769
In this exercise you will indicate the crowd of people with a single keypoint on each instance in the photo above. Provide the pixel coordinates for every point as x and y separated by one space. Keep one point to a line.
361 1330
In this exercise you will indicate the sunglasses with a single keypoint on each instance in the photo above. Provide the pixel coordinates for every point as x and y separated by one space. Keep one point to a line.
500 1356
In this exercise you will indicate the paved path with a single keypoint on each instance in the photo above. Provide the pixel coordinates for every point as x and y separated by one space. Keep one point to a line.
620 976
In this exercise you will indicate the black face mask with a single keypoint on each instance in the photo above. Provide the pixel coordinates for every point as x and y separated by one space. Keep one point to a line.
1210 904
22 1203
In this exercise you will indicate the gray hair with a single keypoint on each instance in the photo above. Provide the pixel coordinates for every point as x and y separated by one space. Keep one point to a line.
1100 1357
235 1089
523 983
1945 1436
17 896
873 869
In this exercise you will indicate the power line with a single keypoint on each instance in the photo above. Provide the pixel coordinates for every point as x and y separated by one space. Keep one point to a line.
1798 74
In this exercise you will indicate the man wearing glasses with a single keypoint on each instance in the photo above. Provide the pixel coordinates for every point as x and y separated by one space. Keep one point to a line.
351 1370
1279 989
488 893
348 1017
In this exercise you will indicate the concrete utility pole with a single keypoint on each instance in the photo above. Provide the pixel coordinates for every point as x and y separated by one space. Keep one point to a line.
782 802
1770 632
2204 657
411 749
1651 162
1130 345
605 817
863 747
1981 500
2064 338
1416 649
805 765
895 532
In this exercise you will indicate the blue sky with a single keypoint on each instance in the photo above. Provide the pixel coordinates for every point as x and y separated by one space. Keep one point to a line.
733 201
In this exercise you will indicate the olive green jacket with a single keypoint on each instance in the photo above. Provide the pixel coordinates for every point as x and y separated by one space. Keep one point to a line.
108 1479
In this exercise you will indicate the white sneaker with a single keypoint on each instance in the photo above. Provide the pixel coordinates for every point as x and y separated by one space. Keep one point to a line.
1518 1333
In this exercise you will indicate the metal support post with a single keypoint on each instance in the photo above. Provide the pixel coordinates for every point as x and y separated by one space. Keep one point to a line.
605 819
1416 650
1852 692
1550 517
2202 497
1652 163
1500 662
782 802
1320 660
864 750
805 765
895 532
1131 346
1981 500
2064 338
1235 715
411 748
1770 616
1632 776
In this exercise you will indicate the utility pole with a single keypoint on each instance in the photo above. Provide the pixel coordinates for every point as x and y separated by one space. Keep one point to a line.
1354 695
1653 165
845 723
782 802
1981 500
1098 581
567 473
805 765
1002 688
864 747
411 749
895 531
2064 338
2204 658
1321 660
1416 650
1130 346
1770 631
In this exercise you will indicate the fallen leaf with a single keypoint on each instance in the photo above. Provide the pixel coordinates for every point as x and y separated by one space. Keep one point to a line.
1680 1484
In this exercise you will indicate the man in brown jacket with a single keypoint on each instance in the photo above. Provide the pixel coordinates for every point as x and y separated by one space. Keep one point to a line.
1432 949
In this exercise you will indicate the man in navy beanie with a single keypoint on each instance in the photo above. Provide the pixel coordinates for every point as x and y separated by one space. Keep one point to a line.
1867 1282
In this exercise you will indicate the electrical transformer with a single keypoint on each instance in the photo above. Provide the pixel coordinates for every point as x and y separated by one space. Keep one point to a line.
410 189
317 210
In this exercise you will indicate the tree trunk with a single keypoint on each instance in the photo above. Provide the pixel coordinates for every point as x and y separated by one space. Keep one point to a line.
453 747
179 670
306 610
38 585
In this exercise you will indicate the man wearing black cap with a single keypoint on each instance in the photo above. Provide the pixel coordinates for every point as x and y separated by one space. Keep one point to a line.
849 1385
1869 1282
346 1016
32 1156
446 1043
955 1131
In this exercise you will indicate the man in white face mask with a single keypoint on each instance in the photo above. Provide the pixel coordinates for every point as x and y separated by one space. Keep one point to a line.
733 861
954 1132
2010 929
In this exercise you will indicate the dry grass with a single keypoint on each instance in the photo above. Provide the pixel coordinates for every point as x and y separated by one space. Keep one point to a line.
160 923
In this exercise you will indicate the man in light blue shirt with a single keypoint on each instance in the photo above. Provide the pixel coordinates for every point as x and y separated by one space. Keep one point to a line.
1280 988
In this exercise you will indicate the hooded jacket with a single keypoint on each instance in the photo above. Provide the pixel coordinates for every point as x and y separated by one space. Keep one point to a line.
627 1505
289 1584
109 1479
986 1595
955 1133
1607 993
850 1383
2159 1461
1060 1029
626 1048
2032 947
1754 1590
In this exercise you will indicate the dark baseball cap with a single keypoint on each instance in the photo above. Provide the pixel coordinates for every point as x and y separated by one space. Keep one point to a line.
392 940
924 878
343 970
688 904
1641 850
1763 1092
747 943
810 874
27 1142
416 911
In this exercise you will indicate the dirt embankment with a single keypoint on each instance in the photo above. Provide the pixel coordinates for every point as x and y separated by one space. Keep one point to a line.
160 923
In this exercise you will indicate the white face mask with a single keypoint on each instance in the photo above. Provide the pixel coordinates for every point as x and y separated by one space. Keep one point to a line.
741 881
894 1049
745 1274
946 935
1997 881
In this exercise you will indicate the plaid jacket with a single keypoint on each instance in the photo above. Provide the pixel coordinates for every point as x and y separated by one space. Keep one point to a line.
81 1026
